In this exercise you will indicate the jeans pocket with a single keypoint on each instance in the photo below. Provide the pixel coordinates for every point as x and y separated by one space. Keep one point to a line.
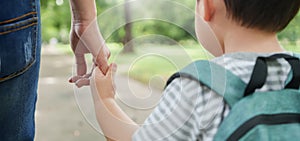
18 42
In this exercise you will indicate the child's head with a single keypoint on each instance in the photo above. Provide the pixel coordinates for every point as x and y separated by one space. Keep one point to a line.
265 15
268 16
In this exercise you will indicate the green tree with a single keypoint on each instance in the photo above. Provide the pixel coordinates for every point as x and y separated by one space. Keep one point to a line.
292 32
128 45
56 20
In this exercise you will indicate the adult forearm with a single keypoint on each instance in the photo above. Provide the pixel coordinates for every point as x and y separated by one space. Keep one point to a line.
83 10
85 27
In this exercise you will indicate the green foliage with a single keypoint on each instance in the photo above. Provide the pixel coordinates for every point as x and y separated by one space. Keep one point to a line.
56 18
160 27
292 32
150 27
56 21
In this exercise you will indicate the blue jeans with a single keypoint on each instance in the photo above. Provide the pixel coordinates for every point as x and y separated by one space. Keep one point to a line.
20 44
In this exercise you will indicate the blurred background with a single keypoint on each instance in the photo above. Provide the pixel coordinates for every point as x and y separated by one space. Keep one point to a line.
58 116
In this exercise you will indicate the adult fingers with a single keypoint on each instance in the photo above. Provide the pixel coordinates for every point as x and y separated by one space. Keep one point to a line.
101 61
81 70
81 67
82 82
73 79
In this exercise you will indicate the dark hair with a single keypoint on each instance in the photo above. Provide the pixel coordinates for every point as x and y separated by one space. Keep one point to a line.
266 15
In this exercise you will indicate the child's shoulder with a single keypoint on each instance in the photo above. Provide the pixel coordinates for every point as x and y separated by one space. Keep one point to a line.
243 58
242 63
247 56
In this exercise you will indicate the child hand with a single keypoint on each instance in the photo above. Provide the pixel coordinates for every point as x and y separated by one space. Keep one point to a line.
103 85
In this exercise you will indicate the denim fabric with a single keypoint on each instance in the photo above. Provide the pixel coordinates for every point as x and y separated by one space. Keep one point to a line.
20 42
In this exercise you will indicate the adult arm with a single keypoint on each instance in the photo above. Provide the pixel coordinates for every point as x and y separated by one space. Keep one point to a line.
85 37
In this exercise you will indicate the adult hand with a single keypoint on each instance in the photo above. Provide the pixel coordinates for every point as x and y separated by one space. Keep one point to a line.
85 37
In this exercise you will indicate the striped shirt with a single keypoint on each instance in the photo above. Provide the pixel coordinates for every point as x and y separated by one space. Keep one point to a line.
188 111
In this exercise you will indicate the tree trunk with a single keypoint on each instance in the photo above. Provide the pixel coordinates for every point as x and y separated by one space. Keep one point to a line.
128 46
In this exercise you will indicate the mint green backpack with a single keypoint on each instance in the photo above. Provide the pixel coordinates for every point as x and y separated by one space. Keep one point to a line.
254 116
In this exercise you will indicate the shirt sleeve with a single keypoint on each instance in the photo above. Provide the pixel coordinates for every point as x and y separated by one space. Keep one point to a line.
177 116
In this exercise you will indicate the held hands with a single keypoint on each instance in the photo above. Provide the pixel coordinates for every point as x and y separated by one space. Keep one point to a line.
102 85
85 38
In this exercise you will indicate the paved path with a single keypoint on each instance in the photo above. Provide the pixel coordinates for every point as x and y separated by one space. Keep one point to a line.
58 116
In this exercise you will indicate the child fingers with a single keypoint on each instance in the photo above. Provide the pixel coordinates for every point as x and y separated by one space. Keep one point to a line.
97 73
112 70
102 80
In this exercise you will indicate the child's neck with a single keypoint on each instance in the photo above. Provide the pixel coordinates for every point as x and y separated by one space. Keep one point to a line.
249 40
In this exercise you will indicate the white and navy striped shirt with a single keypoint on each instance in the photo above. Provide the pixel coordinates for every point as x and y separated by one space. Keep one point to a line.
188 111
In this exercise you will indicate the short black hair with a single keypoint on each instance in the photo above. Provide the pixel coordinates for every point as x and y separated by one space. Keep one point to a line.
267 15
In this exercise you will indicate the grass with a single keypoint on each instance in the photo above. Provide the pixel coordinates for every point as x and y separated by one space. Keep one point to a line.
156 63
64 48
291 46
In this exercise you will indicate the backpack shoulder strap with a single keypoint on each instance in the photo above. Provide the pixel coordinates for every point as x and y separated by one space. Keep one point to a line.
290 75
216 77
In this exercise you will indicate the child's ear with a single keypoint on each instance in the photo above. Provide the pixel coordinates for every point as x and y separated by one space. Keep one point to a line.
209 9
